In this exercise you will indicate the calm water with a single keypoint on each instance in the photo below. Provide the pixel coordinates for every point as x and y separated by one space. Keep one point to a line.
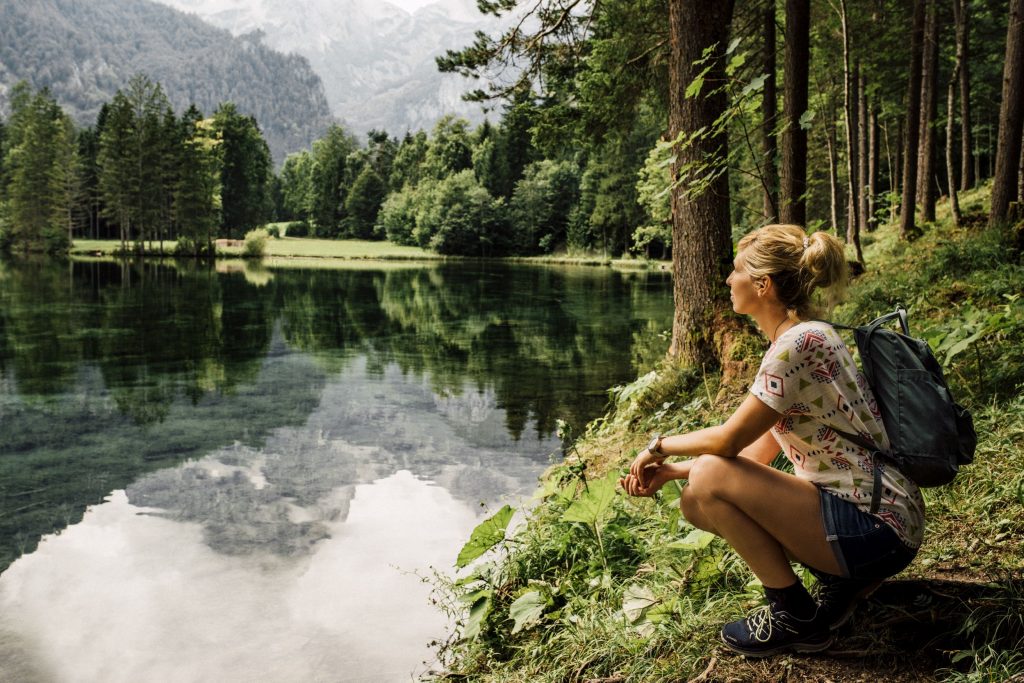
243 474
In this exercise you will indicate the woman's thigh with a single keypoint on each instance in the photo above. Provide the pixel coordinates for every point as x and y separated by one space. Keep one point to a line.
786 507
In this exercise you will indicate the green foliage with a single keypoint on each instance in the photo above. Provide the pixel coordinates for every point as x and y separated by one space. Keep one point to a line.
332 175
255 245
40 161
397 216
245 171
364 201
458 216
541 206
485 536
197 196
85 52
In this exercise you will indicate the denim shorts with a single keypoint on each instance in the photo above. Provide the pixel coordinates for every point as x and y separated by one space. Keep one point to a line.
865 546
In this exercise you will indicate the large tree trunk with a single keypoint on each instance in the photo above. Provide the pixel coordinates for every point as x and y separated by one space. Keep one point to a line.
961 16
793 203
1011 118
769 114
701 233
926 188
908 227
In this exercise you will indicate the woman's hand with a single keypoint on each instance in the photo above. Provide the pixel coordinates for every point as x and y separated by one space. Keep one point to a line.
644 460
654 477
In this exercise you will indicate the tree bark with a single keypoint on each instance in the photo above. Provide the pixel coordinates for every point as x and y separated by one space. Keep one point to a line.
961 16
793 203
852 147
1011 118
769 114
908 227
862 156
926 189
954 79
833 171
873 159
701 232
954 202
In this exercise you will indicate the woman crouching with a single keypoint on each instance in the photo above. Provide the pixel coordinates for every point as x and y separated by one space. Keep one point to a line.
806 389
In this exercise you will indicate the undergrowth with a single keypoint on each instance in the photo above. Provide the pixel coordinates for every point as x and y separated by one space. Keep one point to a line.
593 585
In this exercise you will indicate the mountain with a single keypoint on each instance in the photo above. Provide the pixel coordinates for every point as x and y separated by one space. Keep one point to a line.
376 59
84 50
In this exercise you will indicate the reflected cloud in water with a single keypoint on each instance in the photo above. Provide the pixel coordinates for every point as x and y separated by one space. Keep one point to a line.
127 596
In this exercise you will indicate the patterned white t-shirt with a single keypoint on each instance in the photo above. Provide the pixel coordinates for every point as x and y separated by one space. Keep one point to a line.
809 376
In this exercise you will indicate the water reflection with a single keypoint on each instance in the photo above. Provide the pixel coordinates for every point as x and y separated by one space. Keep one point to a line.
228 474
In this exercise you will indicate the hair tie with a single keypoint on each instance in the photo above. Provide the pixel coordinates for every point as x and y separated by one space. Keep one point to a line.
807 243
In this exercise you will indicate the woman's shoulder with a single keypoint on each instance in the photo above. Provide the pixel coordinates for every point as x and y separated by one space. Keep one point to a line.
809 331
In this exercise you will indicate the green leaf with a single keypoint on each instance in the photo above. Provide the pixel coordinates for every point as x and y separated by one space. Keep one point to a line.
595 505
477 613
806 118
732 46
485 536
527 610
636 600
754 85
695 540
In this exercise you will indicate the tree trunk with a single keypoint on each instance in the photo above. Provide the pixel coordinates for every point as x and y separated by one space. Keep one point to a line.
862 155
954 202
833 172
926 191
954 79
908 227
1011 118
873 158
701 232
850 110
961 16
892 174
793 203
769 114
1020 175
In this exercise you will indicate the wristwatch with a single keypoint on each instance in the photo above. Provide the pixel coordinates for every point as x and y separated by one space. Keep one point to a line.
655 445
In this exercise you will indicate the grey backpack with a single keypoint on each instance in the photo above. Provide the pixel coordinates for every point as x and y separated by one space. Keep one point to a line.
930 434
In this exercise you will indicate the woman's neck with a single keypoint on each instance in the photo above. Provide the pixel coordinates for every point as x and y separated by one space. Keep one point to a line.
773 321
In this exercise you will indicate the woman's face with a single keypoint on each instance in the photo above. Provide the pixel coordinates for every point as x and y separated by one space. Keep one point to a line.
742 288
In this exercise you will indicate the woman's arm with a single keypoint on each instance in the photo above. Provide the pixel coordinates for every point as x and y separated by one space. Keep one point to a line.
763 450
750 422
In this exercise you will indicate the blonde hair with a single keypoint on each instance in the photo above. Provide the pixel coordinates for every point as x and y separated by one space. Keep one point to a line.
798 264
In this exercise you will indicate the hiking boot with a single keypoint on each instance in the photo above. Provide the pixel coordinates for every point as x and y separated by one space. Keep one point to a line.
838 597
765 632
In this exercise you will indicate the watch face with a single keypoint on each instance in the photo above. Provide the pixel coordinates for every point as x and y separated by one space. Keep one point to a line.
653 445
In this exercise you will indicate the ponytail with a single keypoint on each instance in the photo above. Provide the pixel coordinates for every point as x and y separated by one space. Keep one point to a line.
807 270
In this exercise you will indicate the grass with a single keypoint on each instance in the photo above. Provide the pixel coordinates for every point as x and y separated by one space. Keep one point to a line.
288 247
637 602
290 250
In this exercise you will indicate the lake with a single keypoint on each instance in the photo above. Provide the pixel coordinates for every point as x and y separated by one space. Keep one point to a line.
245 473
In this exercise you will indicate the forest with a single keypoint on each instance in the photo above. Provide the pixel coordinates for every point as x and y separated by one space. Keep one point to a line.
779 113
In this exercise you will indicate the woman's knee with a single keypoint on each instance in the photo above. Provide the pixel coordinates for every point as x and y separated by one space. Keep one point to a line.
707 475
691 509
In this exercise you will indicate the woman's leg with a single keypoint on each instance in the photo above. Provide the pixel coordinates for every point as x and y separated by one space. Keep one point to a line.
766 515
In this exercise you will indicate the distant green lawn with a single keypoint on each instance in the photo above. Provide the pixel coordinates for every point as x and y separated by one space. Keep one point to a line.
286 247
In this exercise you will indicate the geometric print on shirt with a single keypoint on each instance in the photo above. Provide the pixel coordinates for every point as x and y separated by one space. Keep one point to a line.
809 377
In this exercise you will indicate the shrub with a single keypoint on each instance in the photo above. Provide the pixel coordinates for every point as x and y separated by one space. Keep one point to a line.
255 243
